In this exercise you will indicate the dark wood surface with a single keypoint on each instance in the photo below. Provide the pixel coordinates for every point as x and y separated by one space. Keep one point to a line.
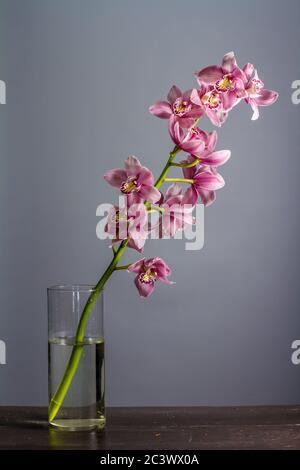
159 428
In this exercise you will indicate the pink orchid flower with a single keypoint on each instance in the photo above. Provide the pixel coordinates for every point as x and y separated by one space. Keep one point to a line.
206 182
124 222
189 141
212 101
222 88
178 105
176 212
257 95
148 272
135 181
209 139
209 157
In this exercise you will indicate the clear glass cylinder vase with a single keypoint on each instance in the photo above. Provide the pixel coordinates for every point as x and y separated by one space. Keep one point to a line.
76 387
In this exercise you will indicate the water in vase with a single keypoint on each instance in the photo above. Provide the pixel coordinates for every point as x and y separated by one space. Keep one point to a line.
83 406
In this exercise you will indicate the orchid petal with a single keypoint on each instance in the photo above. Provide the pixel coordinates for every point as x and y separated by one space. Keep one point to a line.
145 289
115 177
239 75
207 197
212 141
230 99
209 75
255 109
195 112
209 181
132 244
185 122
190 196
214 117
189 173
194 146
229 62
266 98
161 109
173 94
195 97
248 70
175 131
137 266
159 265
216 158
145 176
150 193
173 190
132 163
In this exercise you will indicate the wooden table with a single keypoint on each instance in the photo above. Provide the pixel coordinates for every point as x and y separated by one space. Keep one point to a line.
182 428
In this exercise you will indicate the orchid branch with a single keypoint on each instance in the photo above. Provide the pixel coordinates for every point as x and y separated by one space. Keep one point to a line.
228 86
63 387
187 165
154 208
179 180
125 266
161 179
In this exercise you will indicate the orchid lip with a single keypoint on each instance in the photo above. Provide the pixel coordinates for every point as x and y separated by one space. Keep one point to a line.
129 185
255 87
148 277
225 84
119 217
181 107
212 100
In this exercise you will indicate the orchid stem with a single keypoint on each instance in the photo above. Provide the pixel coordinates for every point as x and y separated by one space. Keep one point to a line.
64 385
74 360
154 208
119 268
187 165
179 180
162 178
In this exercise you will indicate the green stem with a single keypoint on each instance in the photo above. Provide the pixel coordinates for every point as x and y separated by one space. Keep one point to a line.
154 208
178 180
187 165
62 390
162 178
119 268
73 362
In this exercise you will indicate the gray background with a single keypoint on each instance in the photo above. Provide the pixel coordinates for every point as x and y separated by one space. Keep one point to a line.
80 76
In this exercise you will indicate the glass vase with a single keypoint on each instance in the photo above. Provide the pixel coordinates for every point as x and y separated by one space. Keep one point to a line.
82 407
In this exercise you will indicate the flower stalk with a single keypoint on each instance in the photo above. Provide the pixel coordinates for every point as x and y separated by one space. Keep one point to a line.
187 165
62 389
179 180
74 360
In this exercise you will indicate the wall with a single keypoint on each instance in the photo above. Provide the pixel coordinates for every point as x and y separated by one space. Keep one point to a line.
80 77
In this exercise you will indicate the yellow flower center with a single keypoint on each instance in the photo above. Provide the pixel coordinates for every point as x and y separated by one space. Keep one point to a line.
212 100
225 84
148 276
129 185
180 107
119 217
